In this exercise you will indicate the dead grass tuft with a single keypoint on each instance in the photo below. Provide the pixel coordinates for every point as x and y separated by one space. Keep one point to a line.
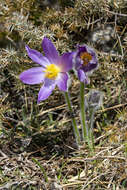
37 148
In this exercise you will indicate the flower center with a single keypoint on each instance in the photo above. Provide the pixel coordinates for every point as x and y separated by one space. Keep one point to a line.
86 57
51 71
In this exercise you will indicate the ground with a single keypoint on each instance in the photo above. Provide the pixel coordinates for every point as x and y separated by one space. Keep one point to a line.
37 144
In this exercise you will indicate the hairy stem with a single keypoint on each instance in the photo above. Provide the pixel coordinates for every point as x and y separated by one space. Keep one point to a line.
82 109
75 128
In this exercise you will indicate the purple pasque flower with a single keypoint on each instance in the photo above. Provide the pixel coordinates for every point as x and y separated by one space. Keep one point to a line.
85 62
52 70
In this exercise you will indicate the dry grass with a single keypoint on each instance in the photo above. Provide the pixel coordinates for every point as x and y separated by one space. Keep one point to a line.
37 148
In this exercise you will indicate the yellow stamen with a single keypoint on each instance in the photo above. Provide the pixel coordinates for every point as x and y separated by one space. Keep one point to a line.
52 71
86 57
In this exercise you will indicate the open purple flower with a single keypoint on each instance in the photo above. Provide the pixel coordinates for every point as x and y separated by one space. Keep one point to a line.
85 61
52 71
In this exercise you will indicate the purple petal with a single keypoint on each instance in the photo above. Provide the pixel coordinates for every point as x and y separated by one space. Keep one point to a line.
78 63
94 60
89 67
81 49
62 81
82 76
50 50
91 51
66 62
37 57
32 76
94 57
46 89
